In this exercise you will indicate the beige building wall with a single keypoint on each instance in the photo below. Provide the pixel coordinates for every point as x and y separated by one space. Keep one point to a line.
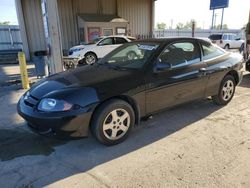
34 25
137 12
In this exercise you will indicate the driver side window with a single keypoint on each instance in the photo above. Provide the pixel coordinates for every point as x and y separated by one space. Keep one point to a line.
179 54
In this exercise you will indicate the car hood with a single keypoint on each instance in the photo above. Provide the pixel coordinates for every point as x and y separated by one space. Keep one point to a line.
82 51
105 80
79 47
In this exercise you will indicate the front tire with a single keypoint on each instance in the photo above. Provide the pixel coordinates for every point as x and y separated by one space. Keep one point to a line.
90 58
112 122
226 91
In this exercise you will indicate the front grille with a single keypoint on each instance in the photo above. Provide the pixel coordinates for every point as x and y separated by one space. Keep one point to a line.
30 100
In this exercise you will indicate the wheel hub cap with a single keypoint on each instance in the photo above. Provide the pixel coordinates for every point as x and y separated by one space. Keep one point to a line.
227 90
116 124
90 59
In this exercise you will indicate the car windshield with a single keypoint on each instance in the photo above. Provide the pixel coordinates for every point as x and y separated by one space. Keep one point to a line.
130 55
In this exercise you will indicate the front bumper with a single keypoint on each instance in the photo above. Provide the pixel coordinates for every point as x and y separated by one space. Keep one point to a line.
73 123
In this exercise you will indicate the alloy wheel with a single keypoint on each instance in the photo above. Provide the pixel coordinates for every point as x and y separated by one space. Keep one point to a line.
228 90
116 124
90 59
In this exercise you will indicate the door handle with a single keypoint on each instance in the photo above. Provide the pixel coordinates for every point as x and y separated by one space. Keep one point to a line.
203 71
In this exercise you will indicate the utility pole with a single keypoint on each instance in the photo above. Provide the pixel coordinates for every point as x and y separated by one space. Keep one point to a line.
212 20
222 15
215 16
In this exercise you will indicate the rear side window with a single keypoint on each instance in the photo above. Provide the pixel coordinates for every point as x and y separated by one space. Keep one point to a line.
120 40
225 37
210 51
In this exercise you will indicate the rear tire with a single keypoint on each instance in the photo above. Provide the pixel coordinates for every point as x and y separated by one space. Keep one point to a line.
226 47
112 122
226 91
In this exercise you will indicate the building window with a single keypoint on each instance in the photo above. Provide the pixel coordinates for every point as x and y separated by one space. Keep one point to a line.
93 33
121 31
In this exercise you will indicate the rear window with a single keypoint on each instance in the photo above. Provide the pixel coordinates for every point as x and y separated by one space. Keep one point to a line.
210 51
215 37
119 40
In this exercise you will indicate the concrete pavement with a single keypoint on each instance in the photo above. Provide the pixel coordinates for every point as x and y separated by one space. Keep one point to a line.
194 145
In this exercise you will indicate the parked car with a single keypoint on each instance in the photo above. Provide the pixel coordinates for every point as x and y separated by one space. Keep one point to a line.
90 53
227 40
112 95
82 46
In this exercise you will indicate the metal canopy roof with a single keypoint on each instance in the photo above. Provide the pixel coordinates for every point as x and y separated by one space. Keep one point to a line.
102 18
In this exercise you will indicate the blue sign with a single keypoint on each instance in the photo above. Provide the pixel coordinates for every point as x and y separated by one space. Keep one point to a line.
217 4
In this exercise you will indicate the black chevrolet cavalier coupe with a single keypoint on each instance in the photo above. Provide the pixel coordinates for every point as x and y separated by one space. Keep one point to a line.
134 81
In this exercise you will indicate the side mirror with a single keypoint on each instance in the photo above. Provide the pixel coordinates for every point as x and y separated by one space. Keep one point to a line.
162 67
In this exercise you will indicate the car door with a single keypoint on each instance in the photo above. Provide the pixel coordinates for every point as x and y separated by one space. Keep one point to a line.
233 42
104 47
217 66
178 76
238 42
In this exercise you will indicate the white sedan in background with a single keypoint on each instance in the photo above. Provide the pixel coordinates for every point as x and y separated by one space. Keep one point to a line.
90 53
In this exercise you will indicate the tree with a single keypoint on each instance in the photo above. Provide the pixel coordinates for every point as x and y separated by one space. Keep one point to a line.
161 25
180 26
187 25
224 27
5 23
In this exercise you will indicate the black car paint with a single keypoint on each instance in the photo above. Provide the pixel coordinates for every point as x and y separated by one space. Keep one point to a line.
147 90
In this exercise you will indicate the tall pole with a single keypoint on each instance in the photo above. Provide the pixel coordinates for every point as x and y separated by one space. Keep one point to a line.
212 27
222 15
215 16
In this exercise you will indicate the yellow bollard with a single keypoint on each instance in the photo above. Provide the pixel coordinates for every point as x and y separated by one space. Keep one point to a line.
23 70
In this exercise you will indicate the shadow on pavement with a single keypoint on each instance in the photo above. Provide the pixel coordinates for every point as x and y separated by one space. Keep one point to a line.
78 156
17 143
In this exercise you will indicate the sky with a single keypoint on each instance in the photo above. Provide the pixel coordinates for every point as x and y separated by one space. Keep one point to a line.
8 11
172 12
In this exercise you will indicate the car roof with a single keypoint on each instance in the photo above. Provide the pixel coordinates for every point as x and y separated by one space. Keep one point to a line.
172 39
122 36
222 34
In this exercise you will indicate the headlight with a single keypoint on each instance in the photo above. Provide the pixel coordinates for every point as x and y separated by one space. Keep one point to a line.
54 105
26 96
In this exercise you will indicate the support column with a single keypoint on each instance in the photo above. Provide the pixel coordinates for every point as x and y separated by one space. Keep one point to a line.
152 18
52 34
22 27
